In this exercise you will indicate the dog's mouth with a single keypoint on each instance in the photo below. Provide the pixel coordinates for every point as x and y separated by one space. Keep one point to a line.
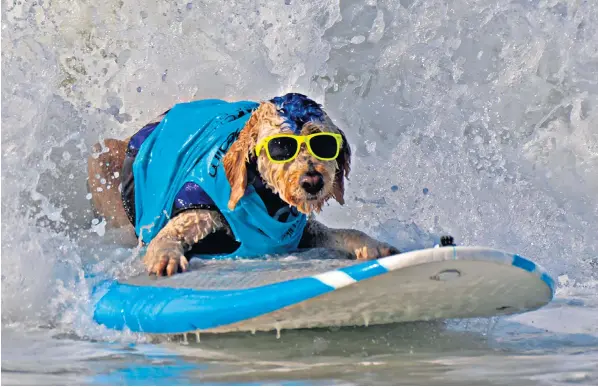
307 203
312 197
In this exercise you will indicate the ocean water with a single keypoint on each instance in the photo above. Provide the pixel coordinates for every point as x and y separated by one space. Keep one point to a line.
472 118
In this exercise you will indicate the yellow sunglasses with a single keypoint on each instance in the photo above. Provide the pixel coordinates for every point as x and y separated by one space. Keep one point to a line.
282 148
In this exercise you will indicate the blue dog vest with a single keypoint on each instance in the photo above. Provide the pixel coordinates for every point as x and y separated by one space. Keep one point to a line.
184 153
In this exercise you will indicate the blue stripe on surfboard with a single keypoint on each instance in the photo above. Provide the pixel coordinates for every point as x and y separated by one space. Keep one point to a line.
364 270
523 263
173 310
549 281
527 265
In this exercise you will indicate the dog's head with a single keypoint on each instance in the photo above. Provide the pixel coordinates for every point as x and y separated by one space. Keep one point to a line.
305 182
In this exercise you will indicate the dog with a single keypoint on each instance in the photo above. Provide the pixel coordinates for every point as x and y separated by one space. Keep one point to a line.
252 176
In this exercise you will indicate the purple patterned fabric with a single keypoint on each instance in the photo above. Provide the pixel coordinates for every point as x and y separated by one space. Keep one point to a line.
191 196
139 137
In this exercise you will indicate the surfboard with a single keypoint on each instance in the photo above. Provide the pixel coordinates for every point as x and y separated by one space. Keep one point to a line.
290 293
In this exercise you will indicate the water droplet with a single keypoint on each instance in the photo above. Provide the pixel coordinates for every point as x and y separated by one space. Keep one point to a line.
366 319
370 146
123 57
113 110
358 39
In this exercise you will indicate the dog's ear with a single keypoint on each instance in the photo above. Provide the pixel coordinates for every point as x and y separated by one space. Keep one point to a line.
343 168
236 159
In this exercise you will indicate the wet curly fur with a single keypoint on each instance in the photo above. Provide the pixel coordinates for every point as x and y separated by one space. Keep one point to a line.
292 113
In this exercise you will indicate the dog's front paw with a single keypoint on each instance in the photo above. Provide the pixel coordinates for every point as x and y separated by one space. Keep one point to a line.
376 251
165 257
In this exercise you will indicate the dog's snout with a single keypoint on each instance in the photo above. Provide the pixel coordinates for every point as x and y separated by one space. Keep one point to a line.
312 182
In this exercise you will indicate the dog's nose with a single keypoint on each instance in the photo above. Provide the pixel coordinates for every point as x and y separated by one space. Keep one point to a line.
312 182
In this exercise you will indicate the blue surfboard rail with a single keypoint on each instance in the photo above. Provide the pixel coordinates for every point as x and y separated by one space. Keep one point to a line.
171 310
165 310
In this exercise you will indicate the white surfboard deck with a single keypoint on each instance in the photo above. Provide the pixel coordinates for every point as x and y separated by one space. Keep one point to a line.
276 294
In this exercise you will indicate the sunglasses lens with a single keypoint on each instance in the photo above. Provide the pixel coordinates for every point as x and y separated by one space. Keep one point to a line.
324 146
282 148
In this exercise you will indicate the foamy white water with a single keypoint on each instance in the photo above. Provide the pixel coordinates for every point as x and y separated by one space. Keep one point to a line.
474 118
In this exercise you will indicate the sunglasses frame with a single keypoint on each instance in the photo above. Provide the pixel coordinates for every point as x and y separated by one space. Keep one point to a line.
263 143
